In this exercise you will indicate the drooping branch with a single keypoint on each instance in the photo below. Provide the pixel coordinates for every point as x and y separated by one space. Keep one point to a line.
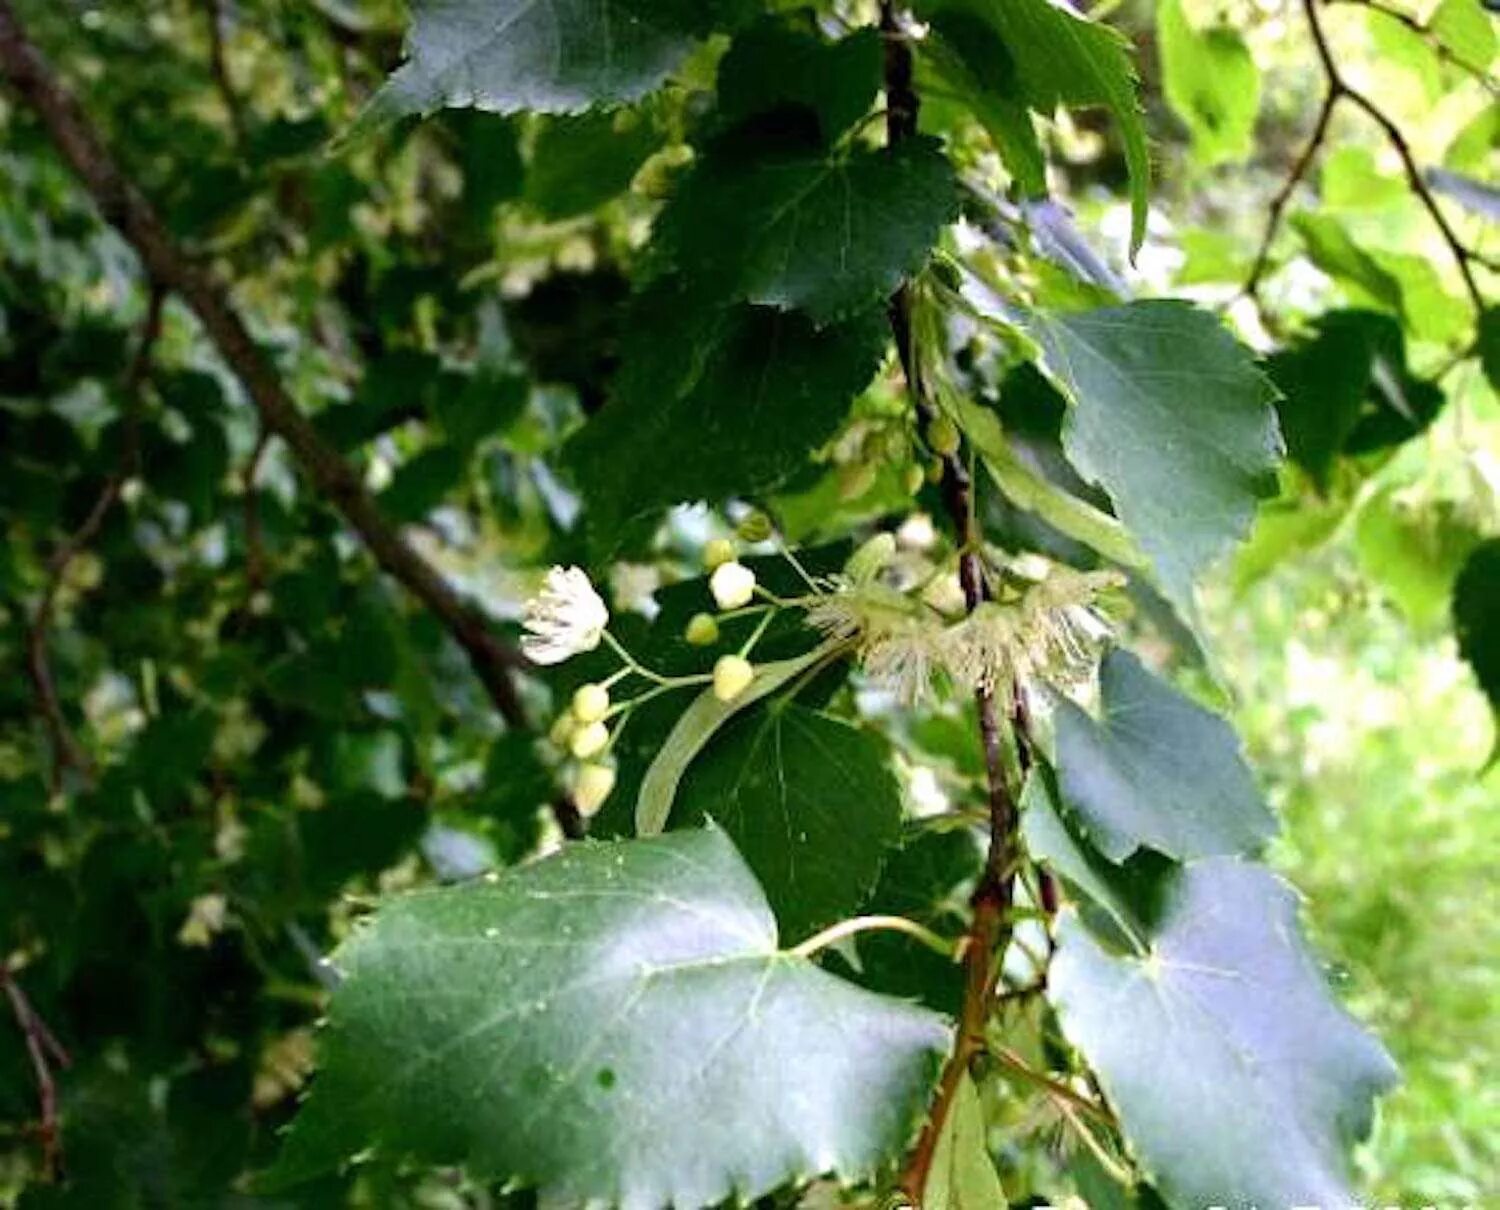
122 205
1338 89
44 1050
991 902
67 753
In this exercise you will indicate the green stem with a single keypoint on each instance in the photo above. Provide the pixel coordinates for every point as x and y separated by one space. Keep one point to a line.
866 924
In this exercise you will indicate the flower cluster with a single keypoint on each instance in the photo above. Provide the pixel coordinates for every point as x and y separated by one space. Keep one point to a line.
901 615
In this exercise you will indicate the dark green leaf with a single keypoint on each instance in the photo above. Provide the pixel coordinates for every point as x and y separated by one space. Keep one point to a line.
1489 345
1060 58
829 233
1183 462
772 68
551 56
559 1026
927 880
715 403
1156 770
809 801
581 161
1476 619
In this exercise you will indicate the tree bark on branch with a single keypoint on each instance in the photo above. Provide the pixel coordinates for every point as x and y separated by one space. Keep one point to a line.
168 266
992 899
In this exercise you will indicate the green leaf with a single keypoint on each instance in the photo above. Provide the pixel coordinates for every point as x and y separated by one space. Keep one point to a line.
1183 462
1210 81
713 403
551 56
1346 389
1489 345
1156 770
1333 250
614 1024
1125 897
809 801
927 880
580 161
696 726
772 69
828 233
1058 58
1028 489
1414 552
1238 1079
1476 619
966 57
962 1176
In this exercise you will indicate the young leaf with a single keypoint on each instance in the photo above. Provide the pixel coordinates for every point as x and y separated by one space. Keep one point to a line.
1183 461
614 1025
713 403
811 804
1210 81
1157 771
828 233
1237 1077
962 1176
551 56
1058 58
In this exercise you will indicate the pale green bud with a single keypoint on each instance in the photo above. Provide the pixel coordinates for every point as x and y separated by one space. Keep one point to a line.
702 630
732 676
590 703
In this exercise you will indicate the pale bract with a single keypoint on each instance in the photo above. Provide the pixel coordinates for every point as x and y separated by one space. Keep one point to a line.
565 619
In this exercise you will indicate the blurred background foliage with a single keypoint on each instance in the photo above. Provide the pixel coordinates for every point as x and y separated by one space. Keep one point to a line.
271 730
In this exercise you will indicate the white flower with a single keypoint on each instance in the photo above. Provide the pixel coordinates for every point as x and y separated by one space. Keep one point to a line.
733 584
565 619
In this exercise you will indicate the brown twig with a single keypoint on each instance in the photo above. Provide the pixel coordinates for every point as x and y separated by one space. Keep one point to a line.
44 1051
123 206
67 753
255 550
1340 89
991 901
1283 196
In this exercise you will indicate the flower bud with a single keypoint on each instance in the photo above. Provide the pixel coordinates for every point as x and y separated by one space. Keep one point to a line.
856 478
733 584
702 630
590 703
591 786
589 740
732 676
913 479
562 728
935 471
942 436
756 527
868 561
717 552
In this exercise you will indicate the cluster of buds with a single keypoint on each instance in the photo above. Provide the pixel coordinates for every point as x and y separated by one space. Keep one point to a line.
569 618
